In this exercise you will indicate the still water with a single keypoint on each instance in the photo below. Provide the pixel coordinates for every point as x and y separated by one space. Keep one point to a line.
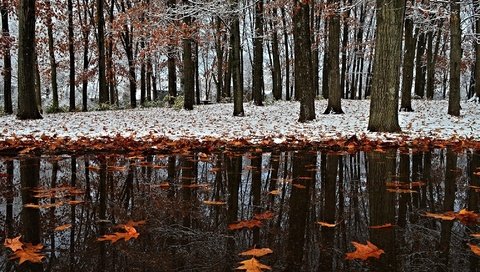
188 206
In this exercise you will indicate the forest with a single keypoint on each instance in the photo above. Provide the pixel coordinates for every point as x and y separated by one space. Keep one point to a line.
122 52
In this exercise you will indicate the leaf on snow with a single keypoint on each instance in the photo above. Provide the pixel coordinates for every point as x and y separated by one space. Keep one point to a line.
256 252
364 252
253 265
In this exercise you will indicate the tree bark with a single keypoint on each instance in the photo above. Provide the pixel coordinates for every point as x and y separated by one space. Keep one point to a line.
334 85
236 65
287 58
71 52
188 69
477 51
7 60
386 67
27 102
420 67
53 62
303 69
102 81
455 59
408 61
257 69
277 70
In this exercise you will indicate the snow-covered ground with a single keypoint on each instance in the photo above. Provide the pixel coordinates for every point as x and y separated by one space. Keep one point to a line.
278 121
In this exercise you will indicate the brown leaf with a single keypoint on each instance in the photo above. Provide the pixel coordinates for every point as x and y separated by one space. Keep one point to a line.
130 233
250 224
274 192
256 252
475 235
467 217
384 226
63 227
14 243
444 216
364 252
215 203
401 191
327 225
475 249
264 216
30 253
253 265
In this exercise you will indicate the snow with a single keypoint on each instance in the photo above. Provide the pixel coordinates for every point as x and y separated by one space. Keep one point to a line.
277 121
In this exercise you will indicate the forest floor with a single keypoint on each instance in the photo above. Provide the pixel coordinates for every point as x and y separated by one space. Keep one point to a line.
274 124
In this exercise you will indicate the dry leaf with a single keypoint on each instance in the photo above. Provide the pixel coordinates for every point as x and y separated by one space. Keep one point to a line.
475 249
299 186
253 265
401 191
274 192
264 216
250 224
363 252
14 243
475 235
467 217
30 253
63 227
327 225
384 226
445 216
211 202
256 252
130 233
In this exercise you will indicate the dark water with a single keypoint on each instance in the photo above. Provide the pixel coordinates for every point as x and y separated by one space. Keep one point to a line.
182 233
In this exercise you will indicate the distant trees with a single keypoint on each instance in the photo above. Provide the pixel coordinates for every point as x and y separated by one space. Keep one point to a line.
386 66
27 101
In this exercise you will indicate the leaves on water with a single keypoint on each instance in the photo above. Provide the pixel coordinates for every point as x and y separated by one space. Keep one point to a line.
253 265
129 232
466 217
24 252
264 216
384 226
214 202
363 252
256 252
475 249
249 224
444 216
327 225
63 227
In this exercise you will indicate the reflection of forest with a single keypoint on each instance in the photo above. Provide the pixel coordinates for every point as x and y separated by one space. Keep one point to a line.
301 188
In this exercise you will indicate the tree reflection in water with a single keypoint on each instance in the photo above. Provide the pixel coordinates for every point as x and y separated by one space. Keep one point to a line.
299 187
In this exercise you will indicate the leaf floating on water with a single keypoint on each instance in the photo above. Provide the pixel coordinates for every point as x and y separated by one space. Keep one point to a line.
327 225
130 232
214 203
384 226
467 217
264 216
253 265
299 186
363 252
256 252
75 202
249 224
475 235
401 191
274 192
445 216
63 227
29 253
475 249
14 243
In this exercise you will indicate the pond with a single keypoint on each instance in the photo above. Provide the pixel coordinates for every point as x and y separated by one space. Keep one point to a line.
198 212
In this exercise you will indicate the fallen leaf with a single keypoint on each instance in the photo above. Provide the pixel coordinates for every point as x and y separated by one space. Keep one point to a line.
401 191
364 252
384 226
445 216
264 216
75 202
256 252
467 217
14 243
63 227
253 265
299 186
475 249
274 192
30 253
250 224
476 235
215 203
327 225
130 232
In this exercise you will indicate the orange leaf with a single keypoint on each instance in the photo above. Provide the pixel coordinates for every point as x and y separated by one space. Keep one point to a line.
299 186
217 203
250 224
30 253
274 192
63 227
467 217
256 252
253 265
476 235
445 216
327 225
264 216
75 202
14 244
475 249
364 252
384 226
401 191
130 233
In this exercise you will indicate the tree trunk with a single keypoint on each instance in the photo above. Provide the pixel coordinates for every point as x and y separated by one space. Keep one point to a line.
149 80
71 52
477 51
27 105
455 59
219 54
188 69
420 67
326 67
85 26
277 70
197 74
102 81
343 72
257 69
142 76
386 67
303 69
430 85
287 59
53 62
7 60
236 65
109 60
408 61
334 86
